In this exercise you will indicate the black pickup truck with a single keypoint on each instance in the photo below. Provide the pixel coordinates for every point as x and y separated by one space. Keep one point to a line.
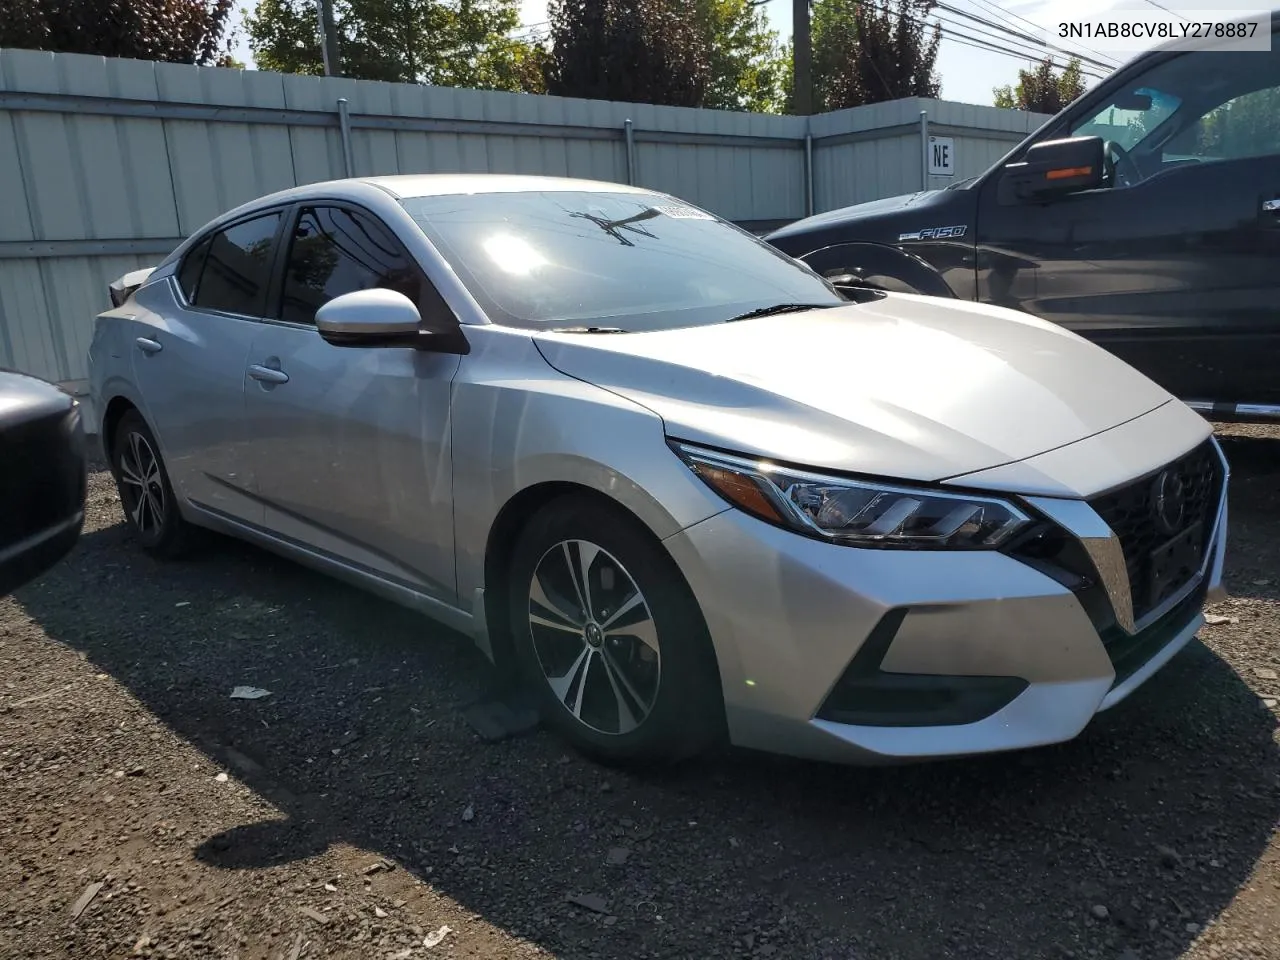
1145 217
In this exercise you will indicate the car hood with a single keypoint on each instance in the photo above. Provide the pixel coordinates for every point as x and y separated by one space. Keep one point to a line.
902 386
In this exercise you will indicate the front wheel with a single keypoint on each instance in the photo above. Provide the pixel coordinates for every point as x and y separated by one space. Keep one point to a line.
610 637
145 491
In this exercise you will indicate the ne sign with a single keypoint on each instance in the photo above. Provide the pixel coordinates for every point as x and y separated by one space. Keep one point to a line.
942 156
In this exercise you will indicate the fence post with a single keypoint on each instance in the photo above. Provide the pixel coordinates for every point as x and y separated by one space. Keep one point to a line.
344 125
629 132
808 174
924 149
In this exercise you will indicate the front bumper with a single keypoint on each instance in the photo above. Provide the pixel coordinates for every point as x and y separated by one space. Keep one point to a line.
790 616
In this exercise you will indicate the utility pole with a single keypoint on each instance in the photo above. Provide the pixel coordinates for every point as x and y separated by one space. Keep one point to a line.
802 55
328 38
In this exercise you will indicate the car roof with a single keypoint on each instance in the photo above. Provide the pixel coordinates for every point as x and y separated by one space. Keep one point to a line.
406 186
409 185
403 187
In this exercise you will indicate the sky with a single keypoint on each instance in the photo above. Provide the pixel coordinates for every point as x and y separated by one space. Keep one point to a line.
968 73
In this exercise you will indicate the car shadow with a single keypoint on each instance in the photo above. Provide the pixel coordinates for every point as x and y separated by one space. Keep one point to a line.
1129 838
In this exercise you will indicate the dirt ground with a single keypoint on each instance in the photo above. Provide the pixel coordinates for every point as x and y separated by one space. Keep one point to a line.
352 813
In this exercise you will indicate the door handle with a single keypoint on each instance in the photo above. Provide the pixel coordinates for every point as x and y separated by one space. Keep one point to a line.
149 346
267 374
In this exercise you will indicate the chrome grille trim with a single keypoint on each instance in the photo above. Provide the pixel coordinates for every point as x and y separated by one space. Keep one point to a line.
1104 548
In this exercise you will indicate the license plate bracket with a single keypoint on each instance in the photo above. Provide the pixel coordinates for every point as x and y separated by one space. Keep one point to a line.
1175 563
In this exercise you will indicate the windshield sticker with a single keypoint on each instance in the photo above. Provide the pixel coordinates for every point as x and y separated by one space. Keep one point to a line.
933 233
680 212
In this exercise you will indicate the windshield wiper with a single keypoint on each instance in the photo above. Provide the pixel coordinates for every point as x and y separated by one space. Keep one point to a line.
614 227
586 330
780 308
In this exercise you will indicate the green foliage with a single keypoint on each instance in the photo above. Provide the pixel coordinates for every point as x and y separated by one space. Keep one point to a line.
642 51
871 52
748 64
1040 90
1248 126
713 53
456 43
176 31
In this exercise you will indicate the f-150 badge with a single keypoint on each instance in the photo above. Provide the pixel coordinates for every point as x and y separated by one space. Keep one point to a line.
933 233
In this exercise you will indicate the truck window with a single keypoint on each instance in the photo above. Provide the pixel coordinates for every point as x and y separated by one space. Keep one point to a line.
1200 107
1245 126
1126 124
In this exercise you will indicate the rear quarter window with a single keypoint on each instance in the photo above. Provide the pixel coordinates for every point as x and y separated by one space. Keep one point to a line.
189 271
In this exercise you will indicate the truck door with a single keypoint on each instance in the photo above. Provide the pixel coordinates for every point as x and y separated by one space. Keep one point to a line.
1174 264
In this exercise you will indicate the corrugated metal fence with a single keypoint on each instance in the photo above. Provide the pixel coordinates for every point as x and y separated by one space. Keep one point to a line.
105 165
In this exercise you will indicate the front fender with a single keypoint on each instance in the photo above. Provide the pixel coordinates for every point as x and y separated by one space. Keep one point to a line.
882 266
519 423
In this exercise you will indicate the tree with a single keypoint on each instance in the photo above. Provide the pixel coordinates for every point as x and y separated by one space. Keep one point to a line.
867 53
747 62
175 31
1247 126
456 43
642 51
1040 90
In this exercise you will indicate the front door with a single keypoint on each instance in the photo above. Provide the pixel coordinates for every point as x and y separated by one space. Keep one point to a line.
189 363
1174 265
351 444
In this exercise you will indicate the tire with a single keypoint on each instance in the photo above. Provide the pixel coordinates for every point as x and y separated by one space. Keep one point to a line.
150 506
649 696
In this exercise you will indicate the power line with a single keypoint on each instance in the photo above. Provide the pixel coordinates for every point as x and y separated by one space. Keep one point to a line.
993 48
531 32
966 39
1016 47
1001 11
1026 37
1166 9
1023 56
996 8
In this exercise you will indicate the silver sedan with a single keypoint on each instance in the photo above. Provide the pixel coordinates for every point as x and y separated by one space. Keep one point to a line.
674 478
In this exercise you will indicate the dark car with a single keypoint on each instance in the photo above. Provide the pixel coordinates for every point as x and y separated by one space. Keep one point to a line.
42 477
1145 217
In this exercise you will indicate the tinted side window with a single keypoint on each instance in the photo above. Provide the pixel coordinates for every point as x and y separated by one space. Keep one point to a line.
237 268
336 251
1247 126
189 272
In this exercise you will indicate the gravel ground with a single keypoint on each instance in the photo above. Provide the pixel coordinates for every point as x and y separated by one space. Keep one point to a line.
352 813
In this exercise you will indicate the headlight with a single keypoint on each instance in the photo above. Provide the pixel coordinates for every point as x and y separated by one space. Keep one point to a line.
858 513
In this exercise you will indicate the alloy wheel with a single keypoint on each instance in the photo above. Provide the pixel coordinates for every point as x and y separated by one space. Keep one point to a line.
594 636
142 485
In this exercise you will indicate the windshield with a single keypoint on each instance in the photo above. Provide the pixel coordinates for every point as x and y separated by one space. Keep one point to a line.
630 261
1131 116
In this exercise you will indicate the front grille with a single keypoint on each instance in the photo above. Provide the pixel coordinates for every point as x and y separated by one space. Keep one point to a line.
1159 557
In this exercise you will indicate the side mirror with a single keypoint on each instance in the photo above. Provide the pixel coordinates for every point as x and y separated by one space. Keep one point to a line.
1054 168
43 480
371 318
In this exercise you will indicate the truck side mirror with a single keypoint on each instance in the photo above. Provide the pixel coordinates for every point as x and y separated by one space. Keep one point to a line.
1054 168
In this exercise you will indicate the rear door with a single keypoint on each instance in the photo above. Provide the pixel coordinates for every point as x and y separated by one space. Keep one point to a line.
189 362
1175 264
350 445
